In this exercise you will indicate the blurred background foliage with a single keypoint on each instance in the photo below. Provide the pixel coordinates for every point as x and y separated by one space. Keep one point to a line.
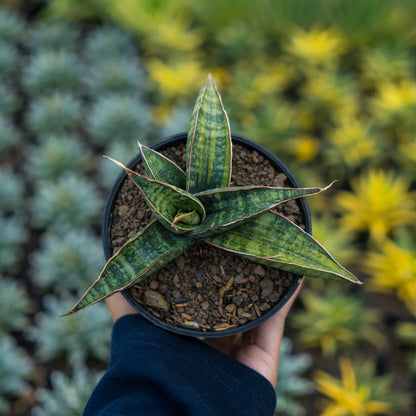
327 85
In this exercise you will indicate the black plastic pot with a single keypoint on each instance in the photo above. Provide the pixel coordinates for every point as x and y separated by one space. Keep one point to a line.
106 224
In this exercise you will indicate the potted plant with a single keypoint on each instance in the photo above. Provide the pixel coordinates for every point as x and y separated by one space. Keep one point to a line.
183 219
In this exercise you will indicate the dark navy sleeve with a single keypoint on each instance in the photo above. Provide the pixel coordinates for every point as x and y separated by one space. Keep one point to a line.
153 372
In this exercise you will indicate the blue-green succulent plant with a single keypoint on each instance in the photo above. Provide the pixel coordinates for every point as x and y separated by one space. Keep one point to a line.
70 201
15 306
66 261
75 339
68 395
57 155
16 370
58 113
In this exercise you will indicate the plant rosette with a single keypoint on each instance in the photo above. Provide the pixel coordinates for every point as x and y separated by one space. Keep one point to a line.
208 233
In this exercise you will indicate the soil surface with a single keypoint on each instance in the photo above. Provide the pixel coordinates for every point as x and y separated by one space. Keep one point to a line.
206 288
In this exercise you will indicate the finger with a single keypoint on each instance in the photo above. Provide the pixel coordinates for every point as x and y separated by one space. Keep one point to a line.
119 306
269 334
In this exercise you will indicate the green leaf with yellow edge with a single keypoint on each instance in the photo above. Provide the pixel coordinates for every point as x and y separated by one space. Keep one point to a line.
228 207
208 150
146 253
160 168
176 209
273 240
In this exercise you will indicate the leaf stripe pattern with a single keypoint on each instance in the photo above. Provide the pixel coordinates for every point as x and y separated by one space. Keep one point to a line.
146 253
208 161
269 238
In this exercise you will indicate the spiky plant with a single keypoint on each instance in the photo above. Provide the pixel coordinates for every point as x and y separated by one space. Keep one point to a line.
12 26
9 60
117 75
359 391
57 113
14 306
336 321
66 261
57 155
9 99
199 204
11 190
116 117
10 135
406 332
76 339
70 201
13 233
68 395
52 71
52 35
108 42
290 383
15 371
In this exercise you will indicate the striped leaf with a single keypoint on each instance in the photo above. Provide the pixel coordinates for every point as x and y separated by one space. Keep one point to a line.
208 151
228 207
144 254
161 168
176 209
273 240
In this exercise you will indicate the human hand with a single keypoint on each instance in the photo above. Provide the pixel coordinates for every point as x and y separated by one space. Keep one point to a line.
258 348
118 306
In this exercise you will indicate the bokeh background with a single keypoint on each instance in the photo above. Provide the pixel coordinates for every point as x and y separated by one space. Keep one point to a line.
327 85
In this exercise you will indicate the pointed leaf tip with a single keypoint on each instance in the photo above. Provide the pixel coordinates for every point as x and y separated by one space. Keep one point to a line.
209 150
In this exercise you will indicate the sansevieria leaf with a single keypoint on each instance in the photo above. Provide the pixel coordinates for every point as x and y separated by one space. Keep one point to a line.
162 169
228 207
176 209
269 239
144 254
208 152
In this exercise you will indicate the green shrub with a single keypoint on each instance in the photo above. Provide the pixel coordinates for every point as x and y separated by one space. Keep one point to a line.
13 234
116 117
54 114
75 337
57 155
15 306
15 371
70 201
290 383
68 395
12 190
67 261
52 71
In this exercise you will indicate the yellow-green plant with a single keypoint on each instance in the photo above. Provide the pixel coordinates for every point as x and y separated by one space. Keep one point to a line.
359 392
380 202
199 204
393 270
336 321
406 332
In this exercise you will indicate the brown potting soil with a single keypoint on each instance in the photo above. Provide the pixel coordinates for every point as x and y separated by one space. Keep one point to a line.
206 288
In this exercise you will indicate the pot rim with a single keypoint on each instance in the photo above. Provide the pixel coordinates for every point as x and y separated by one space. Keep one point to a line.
106 225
